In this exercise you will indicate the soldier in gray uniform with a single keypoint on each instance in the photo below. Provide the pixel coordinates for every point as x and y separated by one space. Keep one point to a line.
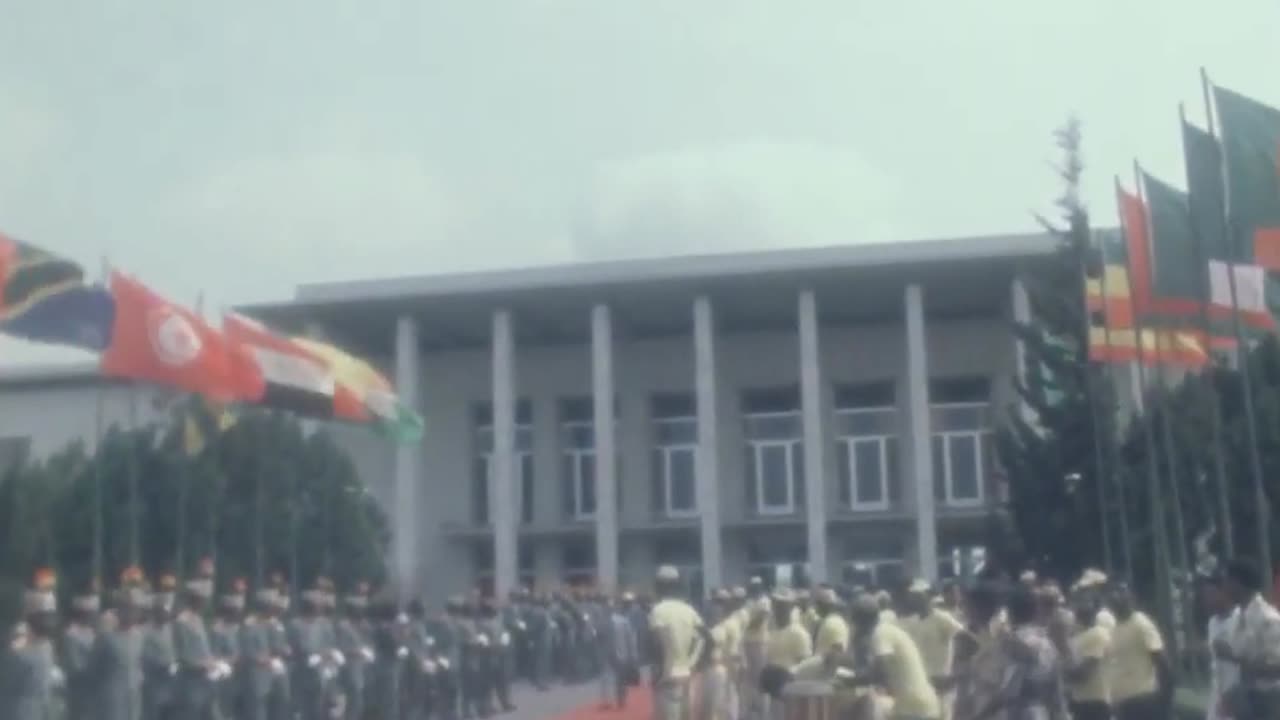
446 630
159 665
541 633
355 645
312 671
117 652
198 669
76 652
475 664
29 674
257 664
224 643
501 654
275 606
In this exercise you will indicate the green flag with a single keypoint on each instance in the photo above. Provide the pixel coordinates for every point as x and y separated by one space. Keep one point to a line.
1177 277
1206 202
1251 151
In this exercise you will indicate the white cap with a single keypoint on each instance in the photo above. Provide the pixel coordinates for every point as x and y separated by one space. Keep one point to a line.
918 585
668 573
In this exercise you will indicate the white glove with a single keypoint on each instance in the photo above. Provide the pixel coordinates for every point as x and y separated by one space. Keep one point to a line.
338 658
444 663
431 642
173 668
482 640
520 625
504 639
402 652
56 677
313 660
277 667
402 619
428 667
367 653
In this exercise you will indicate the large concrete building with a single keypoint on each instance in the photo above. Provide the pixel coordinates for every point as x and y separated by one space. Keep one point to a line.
825 414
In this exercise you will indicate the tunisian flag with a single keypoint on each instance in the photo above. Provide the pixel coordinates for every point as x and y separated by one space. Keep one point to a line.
158 341
295 378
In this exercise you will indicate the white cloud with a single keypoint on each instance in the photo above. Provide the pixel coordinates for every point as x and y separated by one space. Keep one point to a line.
747 195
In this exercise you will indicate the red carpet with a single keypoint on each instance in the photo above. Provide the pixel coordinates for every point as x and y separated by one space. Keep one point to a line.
639 707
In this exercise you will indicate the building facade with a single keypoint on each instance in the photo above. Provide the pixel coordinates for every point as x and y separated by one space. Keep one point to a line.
819 414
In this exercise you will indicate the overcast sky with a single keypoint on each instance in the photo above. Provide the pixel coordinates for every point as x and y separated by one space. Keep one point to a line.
241 147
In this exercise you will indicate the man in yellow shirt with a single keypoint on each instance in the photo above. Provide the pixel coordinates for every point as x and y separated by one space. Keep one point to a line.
894 663
680 639
789 642
1138 673
756 612
1085 672
933 630
831 639
719 691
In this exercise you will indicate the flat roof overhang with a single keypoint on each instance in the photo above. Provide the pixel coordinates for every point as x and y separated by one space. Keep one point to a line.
854 284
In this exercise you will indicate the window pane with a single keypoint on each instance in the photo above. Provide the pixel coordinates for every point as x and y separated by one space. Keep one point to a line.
963 417
480 491
867 422
681 431
773 427
894 479
683 486
869 467
524 438
964 467
939 467
587 483
774 476
797 473
526 487
580 436
658 480
844 468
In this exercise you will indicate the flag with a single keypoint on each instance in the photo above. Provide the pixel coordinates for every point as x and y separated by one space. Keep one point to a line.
43 298
158 341
391 416
195 434
28 273
1251 158
79 316
1178 277
295 378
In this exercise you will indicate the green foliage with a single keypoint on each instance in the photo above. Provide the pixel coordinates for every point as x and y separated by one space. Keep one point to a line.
1050 461
316 516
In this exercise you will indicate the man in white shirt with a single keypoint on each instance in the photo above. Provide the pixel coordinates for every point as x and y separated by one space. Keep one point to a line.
1253 645
1222 617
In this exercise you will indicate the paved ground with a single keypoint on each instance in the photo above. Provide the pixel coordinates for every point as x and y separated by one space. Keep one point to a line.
558 702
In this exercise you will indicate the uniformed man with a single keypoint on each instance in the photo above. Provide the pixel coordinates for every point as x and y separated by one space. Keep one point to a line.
391 655
159 665
789 642
446 629
118 651
419 687
831 638
76 653
475 664
258 664
280 697
313 668
501 654
679 639
29 668
356 647
541 633
198 669
224 644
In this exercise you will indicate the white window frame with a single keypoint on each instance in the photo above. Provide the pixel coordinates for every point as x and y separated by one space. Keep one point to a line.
665 453
790 447
979 436
849 445
575 458
518 458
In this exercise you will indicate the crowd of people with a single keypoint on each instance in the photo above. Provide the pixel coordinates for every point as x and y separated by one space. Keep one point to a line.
1019 649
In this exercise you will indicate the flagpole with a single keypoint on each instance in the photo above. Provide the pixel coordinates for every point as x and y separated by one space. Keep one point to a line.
186 415
1160 548
1110 443
1263 506
1094 417
1210 376
1166 420
98 421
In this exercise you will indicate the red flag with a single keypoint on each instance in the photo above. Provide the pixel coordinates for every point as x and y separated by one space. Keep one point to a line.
158 341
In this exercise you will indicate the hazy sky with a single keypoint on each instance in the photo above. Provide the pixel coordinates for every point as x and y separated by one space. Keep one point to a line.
241 147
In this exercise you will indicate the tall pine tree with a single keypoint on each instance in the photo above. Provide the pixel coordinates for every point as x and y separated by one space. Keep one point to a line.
1049 458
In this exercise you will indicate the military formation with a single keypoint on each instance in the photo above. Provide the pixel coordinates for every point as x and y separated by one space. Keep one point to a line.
193 651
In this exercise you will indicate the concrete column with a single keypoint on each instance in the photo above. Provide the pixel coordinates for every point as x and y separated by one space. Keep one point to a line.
404 492
708 457
604 424
811 419
502 488
1021 315
919 441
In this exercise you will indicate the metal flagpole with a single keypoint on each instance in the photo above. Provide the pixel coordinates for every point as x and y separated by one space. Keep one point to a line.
1122 509
1209 379
99 522
1160 547
1263 507
1094 417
